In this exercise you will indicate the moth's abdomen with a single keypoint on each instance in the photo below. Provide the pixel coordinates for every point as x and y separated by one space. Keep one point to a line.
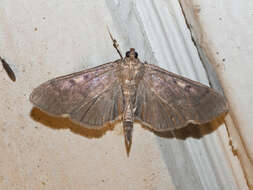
128 113
128 128
128 120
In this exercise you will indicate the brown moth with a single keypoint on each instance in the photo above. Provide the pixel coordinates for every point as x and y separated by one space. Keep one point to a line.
129 90
8 69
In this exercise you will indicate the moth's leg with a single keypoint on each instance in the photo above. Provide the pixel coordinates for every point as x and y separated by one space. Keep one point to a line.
115 43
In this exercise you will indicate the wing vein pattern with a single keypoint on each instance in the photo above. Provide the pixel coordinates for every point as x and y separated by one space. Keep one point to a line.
166 101
91 97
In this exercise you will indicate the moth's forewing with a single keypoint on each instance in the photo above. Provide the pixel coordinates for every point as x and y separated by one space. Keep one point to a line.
91 97
166 101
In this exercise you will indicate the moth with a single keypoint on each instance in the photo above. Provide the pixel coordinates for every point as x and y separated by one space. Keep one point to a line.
8 69
129 90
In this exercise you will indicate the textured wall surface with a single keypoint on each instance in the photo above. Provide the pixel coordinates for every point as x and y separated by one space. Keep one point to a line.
45 39
41 40
224 33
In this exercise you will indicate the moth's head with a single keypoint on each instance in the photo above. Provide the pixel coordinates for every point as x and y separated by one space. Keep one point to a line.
132 54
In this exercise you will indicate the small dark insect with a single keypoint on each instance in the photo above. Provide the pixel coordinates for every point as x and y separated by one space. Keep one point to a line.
8 69
129 90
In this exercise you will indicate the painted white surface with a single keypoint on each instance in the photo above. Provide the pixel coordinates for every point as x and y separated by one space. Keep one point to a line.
45 39
224 30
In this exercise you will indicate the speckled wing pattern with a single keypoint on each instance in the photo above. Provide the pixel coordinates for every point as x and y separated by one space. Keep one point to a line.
91 97
166 101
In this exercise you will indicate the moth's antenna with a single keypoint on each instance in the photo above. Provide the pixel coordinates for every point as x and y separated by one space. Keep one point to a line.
115 43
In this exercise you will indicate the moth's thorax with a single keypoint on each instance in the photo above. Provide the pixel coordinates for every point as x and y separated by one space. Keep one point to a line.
131 73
